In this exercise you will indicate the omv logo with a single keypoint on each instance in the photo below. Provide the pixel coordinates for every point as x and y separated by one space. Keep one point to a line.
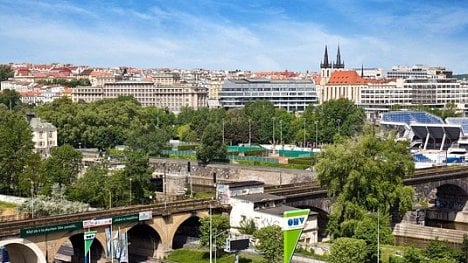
295 222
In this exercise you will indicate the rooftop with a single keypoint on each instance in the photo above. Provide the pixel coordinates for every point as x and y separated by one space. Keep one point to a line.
346 77
259 197
279 210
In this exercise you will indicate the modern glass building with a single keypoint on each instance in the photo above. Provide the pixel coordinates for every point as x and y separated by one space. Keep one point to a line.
291 95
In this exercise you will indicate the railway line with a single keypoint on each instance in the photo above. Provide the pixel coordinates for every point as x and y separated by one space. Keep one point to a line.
12 228
305 188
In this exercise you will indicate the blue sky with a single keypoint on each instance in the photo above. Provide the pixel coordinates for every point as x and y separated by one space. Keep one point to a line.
235 34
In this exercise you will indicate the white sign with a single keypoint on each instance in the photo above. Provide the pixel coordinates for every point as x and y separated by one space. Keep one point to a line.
146 215
296 222
90 235
97 222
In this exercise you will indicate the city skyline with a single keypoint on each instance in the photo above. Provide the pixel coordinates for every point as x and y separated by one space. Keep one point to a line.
259 35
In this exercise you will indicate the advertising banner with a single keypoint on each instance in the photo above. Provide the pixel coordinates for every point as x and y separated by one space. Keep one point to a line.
293 224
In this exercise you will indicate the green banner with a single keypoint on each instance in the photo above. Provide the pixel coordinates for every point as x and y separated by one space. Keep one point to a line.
88 240
34 231
125 219
294 222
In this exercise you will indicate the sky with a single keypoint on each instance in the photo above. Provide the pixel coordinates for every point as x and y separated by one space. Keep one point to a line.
257 35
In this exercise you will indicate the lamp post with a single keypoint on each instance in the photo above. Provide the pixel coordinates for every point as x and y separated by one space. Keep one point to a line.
316 134
303 145
216 244
130 191
223 130
211 235
250 131
273 134
32 198
281 132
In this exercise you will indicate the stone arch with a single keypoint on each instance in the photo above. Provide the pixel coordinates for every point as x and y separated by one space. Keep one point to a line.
72 243
188 231
23 251
144 242
451 197
178 220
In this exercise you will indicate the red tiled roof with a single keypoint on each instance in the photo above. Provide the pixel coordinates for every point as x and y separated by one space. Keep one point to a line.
345 77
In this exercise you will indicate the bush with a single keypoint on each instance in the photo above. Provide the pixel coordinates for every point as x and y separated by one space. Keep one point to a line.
304 161
348 250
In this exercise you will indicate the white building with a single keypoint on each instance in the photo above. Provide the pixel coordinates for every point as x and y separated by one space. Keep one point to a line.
44 136
266 210
291 95
249 202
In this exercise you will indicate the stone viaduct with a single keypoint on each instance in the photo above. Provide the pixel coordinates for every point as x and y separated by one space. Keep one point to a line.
49 239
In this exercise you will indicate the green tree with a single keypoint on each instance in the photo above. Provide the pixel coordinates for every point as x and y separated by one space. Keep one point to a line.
6 72
365 175
347 250
261 114
212 147
219 227
10 98
270 243
151 142
335 117
138 173
89 187
62 167
15 149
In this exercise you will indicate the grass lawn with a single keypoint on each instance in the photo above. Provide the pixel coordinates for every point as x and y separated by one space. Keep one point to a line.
202 256
7 205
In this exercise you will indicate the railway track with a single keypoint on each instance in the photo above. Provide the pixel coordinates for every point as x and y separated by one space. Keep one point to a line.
12 228
302 189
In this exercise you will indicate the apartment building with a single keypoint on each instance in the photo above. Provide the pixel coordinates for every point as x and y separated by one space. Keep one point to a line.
173 97
44 136
291 95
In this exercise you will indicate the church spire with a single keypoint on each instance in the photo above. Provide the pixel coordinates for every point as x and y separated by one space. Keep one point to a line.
325 63
362 70
338 63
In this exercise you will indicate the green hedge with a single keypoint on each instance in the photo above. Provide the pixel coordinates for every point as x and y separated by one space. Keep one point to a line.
305 161
187 147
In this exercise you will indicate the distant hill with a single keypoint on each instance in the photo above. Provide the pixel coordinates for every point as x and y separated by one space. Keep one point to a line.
461 76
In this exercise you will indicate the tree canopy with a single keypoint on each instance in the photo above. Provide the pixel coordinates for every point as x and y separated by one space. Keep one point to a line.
270 243
365 176
6 72
15 149
212 147
219 227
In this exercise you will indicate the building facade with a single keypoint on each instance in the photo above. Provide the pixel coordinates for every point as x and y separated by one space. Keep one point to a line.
172 97
44 136
291 95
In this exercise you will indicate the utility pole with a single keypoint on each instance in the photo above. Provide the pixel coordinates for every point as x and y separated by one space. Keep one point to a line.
274 148
304 134
281 132
378 236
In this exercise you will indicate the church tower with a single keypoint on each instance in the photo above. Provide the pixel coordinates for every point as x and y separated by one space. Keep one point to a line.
338 64
325 68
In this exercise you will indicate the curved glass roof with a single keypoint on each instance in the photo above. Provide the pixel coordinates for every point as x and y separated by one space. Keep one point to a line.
462 121
411 117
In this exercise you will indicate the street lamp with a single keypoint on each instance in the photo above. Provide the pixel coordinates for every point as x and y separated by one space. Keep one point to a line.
216 244
130 191
303 145
32 198
250 131
281 132
273 134
316 134
223 130
211 235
